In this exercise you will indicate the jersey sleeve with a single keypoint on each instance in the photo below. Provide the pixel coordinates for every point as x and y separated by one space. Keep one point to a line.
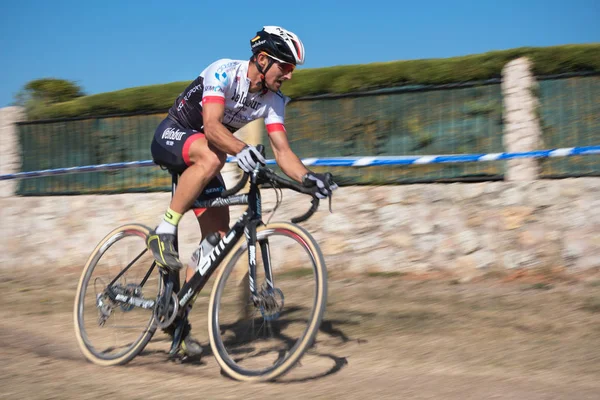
274 121
217 79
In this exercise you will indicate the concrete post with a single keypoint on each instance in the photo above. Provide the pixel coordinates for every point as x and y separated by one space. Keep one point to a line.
522 130
10 152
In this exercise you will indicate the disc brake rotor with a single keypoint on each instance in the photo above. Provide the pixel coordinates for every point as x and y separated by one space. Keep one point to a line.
271 303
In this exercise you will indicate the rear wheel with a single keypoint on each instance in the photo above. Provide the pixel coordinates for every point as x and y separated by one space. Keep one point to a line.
261 338
115 298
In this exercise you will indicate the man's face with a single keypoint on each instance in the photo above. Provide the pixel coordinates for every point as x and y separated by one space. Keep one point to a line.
278 73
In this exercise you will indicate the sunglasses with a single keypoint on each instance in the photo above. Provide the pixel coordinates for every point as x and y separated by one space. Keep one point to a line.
285 67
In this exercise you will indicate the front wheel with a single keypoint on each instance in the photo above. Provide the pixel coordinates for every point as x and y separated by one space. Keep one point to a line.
259 338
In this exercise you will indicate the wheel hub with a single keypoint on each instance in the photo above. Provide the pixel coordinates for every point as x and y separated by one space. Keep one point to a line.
270 302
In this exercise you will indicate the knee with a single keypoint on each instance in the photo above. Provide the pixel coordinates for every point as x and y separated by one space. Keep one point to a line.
222 157
212 160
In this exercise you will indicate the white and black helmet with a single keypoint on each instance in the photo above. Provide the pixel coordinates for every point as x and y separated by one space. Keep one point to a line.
280 44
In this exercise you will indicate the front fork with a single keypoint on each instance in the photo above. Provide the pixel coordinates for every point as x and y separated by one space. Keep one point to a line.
255 209
251 237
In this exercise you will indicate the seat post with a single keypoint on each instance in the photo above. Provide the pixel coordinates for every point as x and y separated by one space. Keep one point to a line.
174 181
174 276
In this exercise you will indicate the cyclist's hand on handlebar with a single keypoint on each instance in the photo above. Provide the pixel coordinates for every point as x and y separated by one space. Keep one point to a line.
323 182
249 158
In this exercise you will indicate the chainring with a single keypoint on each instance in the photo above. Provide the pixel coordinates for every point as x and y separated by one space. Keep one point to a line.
164 314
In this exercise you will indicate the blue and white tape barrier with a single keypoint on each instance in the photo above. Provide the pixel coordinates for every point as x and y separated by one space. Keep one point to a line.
339 161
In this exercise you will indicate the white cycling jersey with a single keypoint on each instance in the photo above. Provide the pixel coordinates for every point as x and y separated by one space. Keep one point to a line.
226 81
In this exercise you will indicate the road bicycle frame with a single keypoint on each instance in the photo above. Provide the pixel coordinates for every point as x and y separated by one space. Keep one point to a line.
246 224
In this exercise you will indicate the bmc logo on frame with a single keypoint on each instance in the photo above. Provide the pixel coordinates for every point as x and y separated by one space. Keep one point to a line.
207 261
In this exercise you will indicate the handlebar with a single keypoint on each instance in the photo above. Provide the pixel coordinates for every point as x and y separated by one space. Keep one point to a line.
268 176
297 187
238 186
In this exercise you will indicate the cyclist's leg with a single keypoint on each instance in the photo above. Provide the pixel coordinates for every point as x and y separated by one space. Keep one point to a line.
210 220
187 152
204 163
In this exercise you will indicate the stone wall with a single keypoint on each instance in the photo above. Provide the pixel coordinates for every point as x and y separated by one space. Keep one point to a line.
461 229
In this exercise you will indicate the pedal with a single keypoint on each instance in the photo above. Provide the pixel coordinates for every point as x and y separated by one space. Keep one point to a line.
178 358
176 355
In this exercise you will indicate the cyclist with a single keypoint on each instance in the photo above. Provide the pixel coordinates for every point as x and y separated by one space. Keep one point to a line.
196 136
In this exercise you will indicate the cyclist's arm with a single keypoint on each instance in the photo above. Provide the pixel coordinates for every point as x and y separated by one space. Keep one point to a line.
215 131
286 159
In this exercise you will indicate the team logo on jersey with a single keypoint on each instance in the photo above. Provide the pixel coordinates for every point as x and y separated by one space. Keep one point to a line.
222 77
218 89
242 98
228 66
188 95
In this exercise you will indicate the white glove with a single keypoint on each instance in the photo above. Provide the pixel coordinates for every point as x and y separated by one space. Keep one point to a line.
249 158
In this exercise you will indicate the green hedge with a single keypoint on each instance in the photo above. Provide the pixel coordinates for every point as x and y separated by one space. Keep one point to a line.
347 79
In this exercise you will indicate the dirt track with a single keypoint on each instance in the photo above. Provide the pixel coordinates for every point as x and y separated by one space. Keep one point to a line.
383 337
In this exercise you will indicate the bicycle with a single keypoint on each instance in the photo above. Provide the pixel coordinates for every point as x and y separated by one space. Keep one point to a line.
261 313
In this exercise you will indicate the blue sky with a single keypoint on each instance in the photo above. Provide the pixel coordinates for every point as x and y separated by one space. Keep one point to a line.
116 44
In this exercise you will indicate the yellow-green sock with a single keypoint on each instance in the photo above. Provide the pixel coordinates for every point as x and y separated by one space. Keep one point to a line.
172 217
169 222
